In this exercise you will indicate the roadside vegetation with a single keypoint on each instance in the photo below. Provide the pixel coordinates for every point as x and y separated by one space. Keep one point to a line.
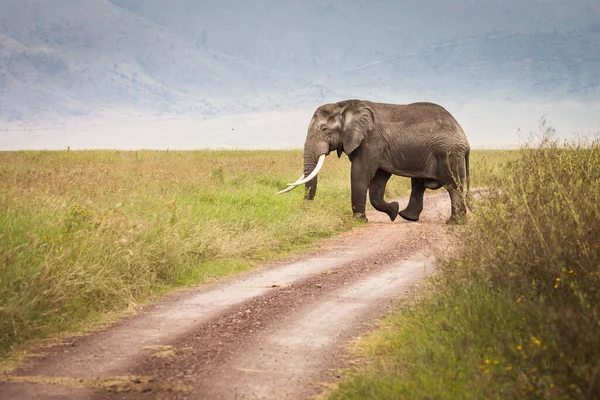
84 234
516 314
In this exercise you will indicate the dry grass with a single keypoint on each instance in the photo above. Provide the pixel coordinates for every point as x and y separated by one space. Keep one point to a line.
89 232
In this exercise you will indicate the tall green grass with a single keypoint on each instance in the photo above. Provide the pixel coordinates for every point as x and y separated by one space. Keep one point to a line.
517 314
83 233
89 232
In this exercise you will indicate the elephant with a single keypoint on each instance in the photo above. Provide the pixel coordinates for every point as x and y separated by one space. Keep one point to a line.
420 140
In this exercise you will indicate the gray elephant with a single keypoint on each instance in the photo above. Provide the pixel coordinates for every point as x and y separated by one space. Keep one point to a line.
422 141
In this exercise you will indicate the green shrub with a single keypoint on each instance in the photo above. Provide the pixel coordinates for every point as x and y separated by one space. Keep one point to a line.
517 314
538 238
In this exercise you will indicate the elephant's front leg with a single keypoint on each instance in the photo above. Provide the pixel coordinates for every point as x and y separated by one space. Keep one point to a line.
377 192
415 204
360 178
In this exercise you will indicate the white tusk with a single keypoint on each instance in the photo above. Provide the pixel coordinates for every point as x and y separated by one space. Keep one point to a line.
291 187
312 174
287 189
297 180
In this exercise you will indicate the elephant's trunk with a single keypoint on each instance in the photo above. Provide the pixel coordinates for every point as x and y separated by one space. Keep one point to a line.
315 150
310 162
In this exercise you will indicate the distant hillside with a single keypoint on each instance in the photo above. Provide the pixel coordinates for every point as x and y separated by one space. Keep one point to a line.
71 57
556 65
316 37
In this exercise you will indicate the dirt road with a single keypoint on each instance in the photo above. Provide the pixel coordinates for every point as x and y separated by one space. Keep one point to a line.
278 332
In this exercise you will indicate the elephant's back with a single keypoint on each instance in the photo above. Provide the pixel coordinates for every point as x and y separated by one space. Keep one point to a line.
424 123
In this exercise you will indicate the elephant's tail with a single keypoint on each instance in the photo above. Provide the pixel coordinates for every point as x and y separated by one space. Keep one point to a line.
469 198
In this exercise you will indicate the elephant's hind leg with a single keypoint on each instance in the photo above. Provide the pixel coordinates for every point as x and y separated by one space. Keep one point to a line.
454 180
415 204
457 200
377 191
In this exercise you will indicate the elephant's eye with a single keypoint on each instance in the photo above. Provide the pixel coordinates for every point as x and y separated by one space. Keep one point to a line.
324 129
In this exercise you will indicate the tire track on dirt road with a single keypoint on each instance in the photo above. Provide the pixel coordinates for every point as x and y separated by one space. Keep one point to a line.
277 332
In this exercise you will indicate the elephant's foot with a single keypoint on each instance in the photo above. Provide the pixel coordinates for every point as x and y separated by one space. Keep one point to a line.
409 215
360 216
393 210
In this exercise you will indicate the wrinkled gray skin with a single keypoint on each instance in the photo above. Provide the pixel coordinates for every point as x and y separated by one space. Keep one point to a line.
419 140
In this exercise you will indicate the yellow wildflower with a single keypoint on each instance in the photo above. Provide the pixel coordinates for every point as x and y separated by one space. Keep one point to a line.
508 368
496 362
519 347
519 299
487 361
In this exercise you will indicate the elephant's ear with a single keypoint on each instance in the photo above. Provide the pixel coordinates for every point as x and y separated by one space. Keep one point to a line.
358 119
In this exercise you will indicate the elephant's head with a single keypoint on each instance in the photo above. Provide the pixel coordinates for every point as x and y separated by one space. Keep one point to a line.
341 127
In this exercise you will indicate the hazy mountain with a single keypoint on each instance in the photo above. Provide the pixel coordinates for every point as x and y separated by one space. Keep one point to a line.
555 65
313 37
72 57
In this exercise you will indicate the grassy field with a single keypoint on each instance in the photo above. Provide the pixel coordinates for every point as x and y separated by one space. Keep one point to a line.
517 314
87 233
